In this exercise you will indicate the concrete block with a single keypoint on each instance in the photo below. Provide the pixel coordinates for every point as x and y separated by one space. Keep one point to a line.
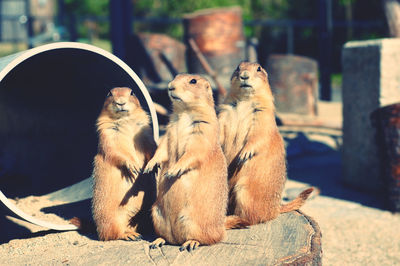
294 82
371 79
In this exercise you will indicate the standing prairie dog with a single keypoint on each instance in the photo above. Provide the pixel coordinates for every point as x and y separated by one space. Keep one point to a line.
122 197
254 148
190 209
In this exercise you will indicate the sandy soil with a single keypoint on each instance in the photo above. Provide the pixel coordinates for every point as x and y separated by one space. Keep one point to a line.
34 206
352 234
356 229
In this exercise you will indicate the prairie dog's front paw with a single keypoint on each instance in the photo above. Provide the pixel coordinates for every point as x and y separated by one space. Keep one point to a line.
246 155
132 236
159 242
176 172
189 245
132 169
151 165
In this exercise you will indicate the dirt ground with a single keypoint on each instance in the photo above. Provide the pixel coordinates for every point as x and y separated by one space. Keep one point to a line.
352 234
356 229
355 234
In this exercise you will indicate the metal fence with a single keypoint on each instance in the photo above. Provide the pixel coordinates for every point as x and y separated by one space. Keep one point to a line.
17 25
13 20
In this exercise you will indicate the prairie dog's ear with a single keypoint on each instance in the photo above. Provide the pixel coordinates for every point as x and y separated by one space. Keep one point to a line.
209 89
137 101
134 99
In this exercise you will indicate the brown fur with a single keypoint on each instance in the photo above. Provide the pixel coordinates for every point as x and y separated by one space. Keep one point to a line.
192 189
122 197
253 147
235 222
297 202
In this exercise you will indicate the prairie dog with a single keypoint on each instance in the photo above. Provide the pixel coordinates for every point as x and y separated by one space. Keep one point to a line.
192 193
121 194
254 148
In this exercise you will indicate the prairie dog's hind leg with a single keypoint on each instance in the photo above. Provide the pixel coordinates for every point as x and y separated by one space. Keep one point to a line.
131 235
157 243
190 245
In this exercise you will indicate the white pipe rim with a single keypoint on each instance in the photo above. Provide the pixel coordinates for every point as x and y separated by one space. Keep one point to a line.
87 47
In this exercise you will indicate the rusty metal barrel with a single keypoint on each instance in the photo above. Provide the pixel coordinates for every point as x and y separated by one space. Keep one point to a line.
218 32
294 82
386 120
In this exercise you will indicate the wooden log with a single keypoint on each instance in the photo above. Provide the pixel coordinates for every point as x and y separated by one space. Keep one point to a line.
386 120
156 57
392 12
207 67
219 35
294 81
292 239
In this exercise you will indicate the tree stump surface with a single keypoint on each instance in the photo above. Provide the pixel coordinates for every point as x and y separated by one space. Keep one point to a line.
291 239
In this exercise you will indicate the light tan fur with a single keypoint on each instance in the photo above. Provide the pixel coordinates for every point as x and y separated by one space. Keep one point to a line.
192 188
253 147
122 196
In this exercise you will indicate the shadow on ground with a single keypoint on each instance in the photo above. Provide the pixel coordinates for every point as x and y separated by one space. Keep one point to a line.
10 230
320 165
80 209
67 211
309 161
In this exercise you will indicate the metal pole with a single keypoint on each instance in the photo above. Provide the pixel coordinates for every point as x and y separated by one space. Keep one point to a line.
121 26
325 48
1 20
290 39
29 22
61 12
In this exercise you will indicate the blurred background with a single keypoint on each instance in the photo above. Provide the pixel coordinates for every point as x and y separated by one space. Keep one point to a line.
312 28
301 43
332 65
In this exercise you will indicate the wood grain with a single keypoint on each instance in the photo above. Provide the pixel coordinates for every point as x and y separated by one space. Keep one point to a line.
291 239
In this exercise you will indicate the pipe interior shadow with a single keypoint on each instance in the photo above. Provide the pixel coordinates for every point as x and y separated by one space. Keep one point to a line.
48 107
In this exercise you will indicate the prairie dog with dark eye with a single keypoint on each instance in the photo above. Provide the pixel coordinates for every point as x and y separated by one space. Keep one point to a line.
190 209
122 196
254 148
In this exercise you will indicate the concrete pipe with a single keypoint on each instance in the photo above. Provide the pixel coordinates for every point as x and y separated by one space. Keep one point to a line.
50 97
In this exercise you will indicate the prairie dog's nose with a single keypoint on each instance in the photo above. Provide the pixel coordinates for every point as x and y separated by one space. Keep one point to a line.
171 87
244 75
120 104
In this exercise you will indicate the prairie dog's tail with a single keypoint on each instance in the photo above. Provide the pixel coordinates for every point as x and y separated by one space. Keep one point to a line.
83 224
235 222
297 202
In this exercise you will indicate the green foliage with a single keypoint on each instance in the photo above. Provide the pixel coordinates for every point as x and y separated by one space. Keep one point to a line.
269 9
176 8
272 39
83 10
252 9
346 2
87 7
